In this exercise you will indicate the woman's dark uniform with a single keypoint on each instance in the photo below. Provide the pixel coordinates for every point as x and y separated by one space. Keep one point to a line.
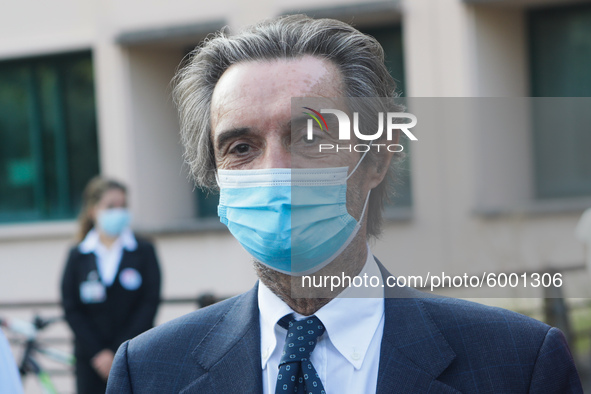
105 317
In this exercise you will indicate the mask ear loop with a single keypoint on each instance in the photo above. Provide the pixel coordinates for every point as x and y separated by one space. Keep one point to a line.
368 193
364 207
359 162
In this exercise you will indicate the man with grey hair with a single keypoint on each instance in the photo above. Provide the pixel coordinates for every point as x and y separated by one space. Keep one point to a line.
298 212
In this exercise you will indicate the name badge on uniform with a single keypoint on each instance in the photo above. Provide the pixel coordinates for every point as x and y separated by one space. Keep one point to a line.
92 291
130 279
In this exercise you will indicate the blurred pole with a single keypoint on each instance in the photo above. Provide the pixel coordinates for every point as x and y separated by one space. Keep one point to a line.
556 310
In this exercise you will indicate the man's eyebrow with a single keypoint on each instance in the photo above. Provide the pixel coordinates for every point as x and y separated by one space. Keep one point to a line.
305 117
298 119
223 137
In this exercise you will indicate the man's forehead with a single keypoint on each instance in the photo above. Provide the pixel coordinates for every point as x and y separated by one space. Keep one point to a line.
272 83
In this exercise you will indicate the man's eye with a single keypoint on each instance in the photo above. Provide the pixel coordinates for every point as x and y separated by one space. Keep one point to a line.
241 149
313 138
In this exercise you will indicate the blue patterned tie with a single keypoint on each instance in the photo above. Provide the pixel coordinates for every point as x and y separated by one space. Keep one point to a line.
296 372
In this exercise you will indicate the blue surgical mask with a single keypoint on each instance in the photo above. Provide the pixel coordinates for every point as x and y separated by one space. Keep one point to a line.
113 221
294 221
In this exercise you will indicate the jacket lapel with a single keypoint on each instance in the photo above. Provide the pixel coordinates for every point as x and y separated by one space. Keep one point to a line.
231 352
413 351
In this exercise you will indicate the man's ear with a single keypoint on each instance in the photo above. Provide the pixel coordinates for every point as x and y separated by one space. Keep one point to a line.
381 158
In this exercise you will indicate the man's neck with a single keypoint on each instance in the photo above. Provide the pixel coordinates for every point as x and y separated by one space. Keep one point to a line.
307 300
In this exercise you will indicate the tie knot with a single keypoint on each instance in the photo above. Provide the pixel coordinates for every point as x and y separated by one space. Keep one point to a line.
301 339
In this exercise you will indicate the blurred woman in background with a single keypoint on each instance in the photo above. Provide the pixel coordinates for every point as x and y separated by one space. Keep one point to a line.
111 283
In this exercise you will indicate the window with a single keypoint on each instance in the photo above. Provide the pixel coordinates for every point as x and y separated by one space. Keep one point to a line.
560 64
207 203
390 38
48 141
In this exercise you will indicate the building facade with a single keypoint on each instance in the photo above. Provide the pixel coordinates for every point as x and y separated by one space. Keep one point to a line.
85 89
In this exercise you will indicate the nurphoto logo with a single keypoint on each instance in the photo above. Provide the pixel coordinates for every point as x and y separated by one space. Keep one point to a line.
393 121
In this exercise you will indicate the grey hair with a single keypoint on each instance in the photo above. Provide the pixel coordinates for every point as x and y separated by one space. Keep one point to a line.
359 57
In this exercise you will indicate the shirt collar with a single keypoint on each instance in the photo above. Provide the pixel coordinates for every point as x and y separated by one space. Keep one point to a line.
92 241
361 320
271 308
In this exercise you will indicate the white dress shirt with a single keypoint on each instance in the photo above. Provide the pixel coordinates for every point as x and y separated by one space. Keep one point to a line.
108 259
347 356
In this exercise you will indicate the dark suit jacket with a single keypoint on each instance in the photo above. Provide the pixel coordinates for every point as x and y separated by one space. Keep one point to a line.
430 345
124 314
